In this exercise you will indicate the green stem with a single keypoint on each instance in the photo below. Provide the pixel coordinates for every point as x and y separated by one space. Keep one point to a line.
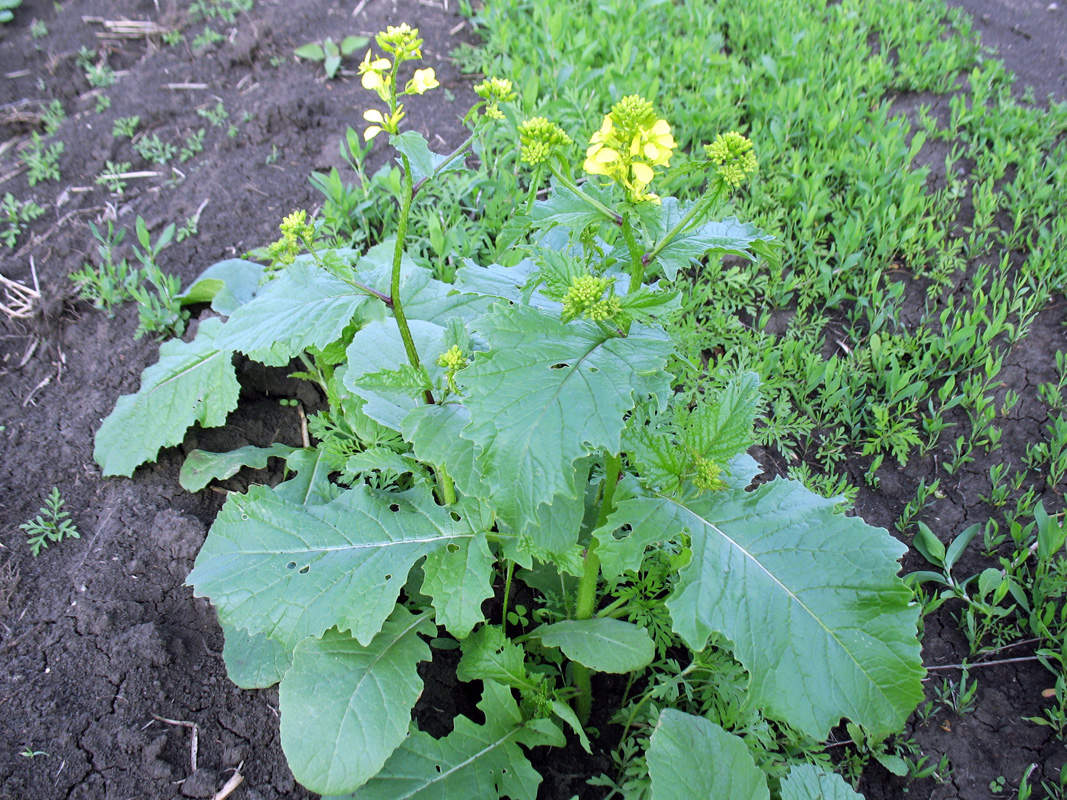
698 207
637 271
444 164
507 594
586 602
394 286
446 486
567 182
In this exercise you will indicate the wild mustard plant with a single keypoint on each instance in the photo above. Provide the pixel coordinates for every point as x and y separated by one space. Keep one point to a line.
518 425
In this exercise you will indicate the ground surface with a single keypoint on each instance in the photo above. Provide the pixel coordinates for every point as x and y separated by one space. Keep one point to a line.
98 637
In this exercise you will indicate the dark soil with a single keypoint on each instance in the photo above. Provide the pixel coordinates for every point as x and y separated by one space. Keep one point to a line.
99 639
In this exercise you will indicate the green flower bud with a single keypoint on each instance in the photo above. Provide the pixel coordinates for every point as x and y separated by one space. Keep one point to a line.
707 477
540 139
732 154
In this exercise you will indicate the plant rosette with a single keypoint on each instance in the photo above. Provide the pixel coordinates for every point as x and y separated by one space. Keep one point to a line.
520 425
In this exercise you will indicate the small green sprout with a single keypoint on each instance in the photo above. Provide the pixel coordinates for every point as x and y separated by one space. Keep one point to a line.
50 525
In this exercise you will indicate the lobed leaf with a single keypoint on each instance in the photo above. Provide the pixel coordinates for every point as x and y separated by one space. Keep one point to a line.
192 382
690 757
459 577
548 394
423 161
227 285
474 761
809 598
305 307
201 467
346 707
289 571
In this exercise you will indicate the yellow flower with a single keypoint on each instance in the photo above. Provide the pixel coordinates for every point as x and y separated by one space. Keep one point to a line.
376 116
373 71
381 122
424 79
630 142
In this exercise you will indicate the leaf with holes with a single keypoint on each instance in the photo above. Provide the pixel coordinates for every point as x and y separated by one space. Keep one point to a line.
289 571
810 599
459 576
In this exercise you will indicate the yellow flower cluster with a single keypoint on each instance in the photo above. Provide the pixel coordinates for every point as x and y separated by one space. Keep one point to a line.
540 139
453 361
495 91
378 74
630 142
732 155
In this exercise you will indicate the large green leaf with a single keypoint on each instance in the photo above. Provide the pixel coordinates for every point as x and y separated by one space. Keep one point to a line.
809 598
604 645
305 307
691 757
459 577
474 761
808 782
190 383
345 708
293 571
252 660
548 394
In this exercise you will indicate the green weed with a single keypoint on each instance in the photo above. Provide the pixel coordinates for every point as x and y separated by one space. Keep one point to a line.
52 524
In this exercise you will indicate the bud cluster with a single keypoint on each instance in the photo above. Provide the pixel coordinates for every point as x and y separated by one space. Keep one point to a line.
586 296
732 155
540 139
495 91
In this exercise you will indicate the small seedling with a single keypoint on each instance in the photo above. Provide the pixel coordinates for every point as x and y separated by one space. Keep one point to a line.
153 149
207 37
42 162
217 116
329 53
52 117
125 127
38 29
100 76
29 752
14 215
194 144
113 281
112 178
103 103
52 524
